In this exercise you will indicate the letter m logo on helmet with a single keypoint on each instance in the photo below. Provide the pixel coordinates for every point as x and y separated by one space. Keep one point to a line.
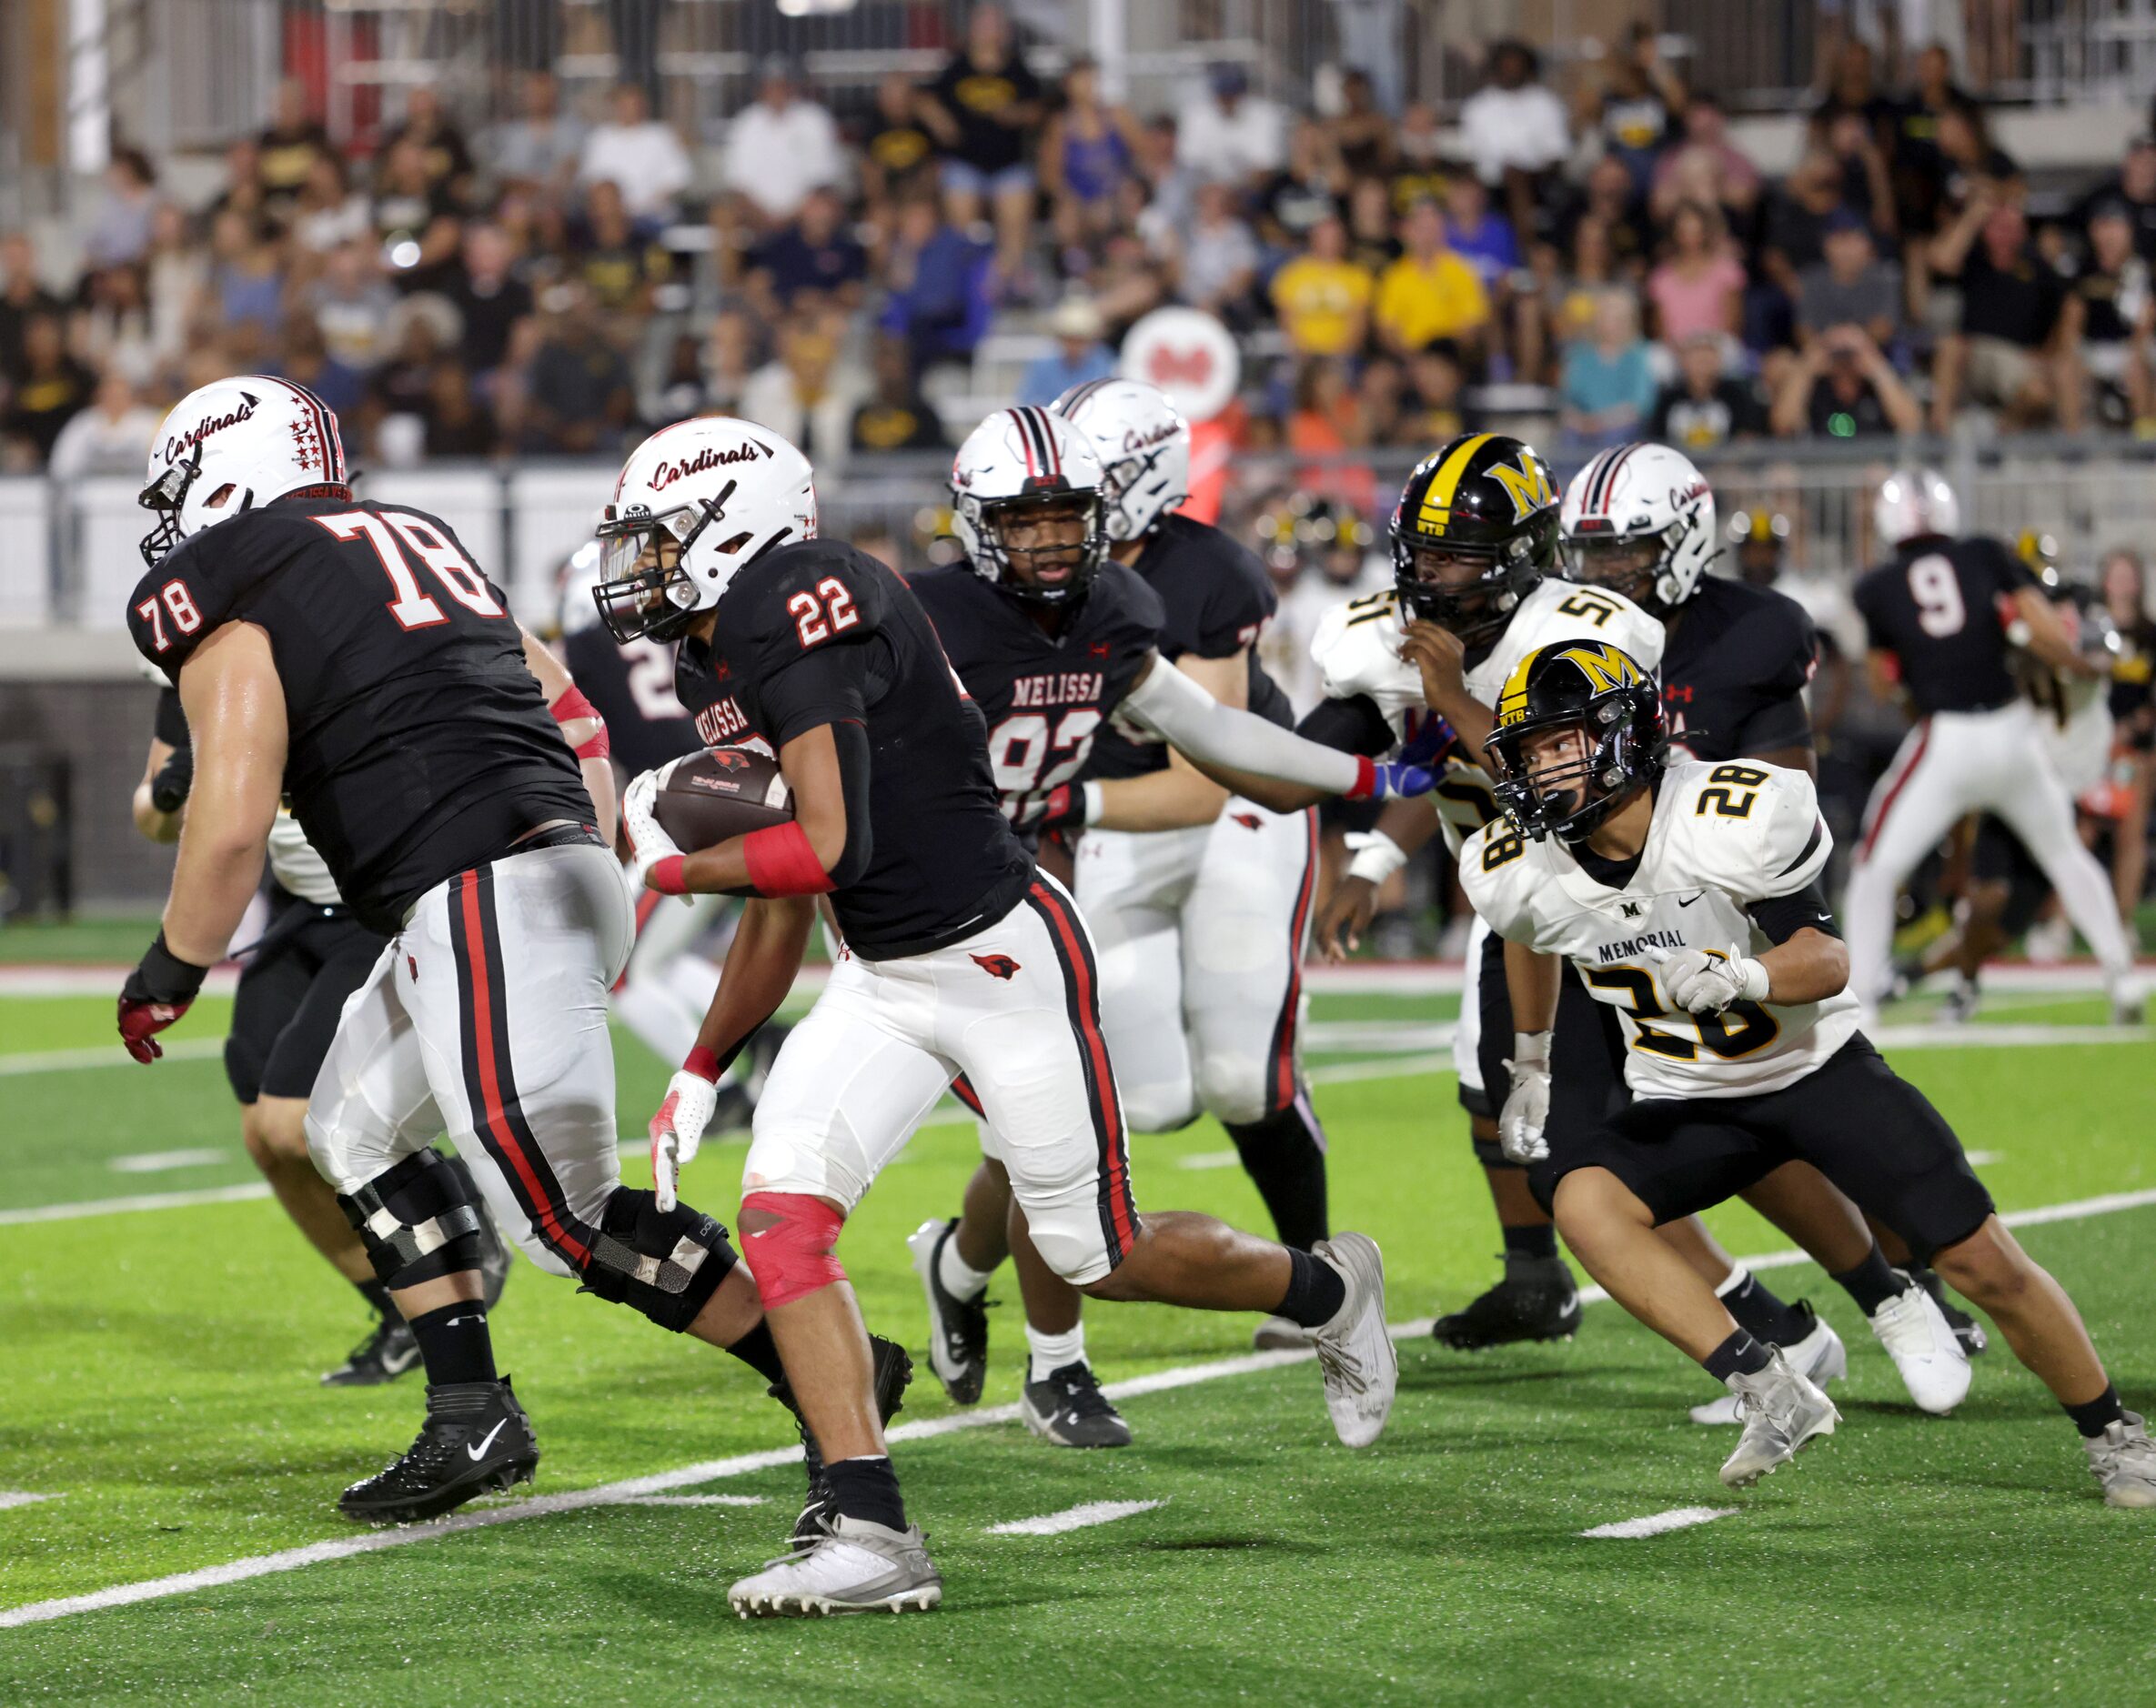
1526 483
1603 666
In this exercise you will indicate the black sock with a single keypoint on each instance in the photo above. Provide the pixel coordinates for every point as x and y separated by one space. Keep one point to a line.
2092 1416
1764 1316
1538 1240
1871 1284
454 1344
757 1349
1315 1291
1739 1355
866 1487
1284 1156
377 1297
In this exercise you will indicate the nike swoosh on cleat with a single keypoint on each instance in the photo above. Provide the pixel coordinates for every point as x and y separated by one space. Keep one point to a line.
480 1451
396 1366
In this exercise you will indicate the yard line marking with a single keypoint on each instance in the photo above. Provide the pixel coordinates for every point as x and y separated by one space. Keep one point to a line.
697 1500
1073 1518
21 1497
1982 1159
1656 1523
146 1200
158 1161
104 1056
1210 1160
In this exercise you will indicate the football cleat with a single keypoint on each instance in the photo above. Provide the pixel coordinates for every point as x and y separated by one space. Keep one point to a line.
957 1328
1355 1350
476 1441
1068 1409
893 1370
2129 1000
1781 1412
1277 1334
1934 1368
388 1351
1963 999
1817 1356
2123 1460
852 1566
1537 1300
1967 1329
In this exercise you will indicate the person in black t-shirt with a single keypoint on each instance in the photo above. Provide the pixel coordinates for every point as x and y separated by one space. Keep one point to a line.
2010 304
809 262
2133 189
1706 408
1842 387
983 111
2110 315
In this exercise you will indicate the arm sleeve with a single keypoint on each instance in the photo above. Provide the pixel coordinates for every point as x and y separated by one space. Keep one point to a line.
1178 710
1354 725
1782 917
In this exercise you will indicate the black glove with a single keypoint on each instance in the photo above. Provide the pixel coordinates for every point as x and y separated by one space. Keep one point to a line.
174 778
158 992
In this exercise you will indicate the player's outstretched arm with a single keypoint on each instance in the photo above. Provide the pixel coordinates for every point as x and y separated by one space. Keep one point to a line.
581 727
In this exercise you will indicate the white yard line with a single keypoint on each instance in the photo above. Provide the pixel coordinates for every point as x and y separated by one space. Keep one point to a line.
1073 1518
21 1497
104 1056
1203 1159
145 1201
1656 1523
698 1499
160 1161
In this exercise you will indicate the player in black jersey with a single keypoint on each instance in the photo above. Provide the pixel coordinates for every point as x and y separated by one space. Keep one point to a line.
1940 617
347 654
959 957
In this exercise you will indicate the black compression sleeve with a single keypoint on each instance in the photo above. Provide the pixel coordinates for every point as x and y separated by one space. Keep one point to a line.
1782 917
851 740
1349 726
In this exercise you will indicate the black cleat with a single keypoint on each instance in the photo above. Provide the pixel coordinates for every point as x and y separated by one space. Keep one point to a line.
893 1370
1069 1409
957 1328
476 1441
388 1352
1967 1329
1537 1300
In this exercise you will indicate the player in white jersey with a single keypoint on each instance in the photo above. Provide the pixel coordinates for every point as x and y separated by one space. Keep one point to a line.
1686 896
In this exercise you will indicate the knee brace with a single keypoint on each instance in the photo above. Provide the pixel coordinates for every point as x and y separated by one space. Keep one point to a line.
666 1263
417 1220
794 1256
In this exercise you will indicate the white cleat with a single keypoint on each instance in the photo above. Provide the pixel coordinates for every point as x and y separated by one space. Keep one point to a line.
1934 1367
1819 1358
2130 1000
1360 1364
854 1567
1781 1412
2123 1460
1277 1334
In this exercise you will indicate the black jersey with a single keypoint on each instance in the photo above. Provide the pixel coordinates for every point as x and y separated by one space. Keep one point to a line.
1045 698
418 744
1936 607
633 685
1215 598
818 633
1734 673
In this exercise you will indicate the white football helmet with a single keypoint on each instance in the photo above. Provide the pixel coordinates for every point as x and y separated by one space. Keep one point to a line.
1144 446
1639 519
1913 503
697 503
579 583
1027 459
233 445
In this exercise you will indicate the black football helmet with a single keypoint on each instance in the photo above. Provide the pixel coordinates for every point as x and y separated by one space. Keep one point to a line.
1488 499
1592 687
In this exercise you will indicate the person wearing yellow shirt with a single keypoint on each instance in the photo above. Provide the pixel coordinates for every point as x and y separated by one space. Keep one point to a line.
1323 298
1429 292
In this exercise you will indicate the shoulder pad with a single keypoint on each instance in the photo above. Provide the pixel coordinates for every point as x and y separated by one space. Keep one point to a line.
807 595
1755 828
1356 649
1499 870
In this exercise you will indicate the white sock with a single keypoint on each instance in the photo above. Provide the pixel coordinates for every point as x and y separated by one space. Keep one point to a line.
1051 1352
960 1279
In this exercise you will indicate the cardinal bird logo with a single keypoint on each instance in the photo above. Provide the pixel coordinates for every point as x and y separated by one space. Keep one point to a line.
729 759
996 966
1098 649
1249 820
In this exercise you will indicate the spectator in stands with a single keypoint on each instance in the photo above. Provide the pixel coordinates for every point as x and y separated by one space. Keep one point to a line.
326 213
442 147
244 282
2005 353
1866 183
983 111
641 156
1706 166
1476 233
1361 133
578 397
1609 199
488 297
1289 203
729 357
2134 188
1851 285
1322 297
1607 387
1699 287
779 148
119 230
1913 156
1797 215
305 359
173 276
1079 355
899 153
1229 135
1635 109
1089 152
1430 292
401 390
415 221
812 262
110 437
243 183
1126 283
281 158
51 390
2110 315
1435 407
1420 168
1515 130
1975 165
112 328
1853 92
1566 294
457 425
1216 260
1707 407
939 286
807 396
1328 423
539 149
895 418
1373 226
350 305
622 267
23 295
1842 387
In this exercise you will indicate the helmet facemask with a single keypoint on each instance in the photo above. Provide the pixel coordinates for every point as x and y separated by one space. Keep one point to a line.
1633 564
1475 608
645 587
1065 542
1548 786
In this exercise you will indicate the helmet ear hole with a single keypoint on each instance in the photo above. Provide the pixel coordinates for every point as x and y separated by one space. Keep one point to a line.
729 547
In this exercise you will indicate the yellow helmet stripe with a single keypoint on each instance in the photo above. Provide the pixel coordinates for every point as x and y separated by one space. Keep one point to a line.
1436 509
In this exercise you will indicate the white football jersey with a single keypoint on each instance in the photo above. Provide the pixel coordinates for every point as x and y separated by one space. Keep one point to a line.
1724 837
1357 651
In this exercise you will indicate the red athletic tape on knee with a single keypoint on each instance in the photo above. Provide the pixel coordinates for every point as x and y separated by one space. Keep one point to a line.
793 1257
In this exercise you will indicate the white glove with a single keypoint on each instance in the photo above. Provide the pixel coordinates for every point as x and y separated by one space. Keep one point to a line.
648 843
1526 1105
1377 856
679 1129
1706 980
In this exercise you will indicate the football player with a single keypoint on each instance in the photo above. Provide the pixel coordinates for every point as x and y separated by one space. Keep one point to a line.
1051 637
1941 616
310 955
1685 894
959 957
347 654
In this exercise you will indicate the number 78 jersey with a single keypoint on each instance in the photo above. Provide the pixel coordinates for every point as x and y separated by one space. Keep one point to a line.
1724 838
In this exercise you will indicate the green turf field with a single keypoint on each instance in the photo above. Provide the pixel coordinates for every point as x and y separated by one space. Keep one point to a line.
160 1389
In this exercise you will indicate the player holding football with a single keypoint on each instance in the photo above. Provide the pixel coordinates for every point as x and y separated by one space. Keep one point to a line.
960 958
1686 896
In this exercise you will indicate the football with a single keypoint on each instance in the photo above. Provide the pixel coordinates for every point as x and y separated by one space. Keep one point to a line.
721 792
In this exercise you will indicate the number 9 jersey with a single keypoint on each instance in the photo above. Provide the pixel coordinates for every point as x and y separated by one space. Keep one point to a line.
1727 841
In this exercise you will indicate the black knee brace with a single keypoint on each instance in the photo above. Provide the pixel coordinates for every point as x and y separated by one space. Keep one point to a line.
666 1263
417 1220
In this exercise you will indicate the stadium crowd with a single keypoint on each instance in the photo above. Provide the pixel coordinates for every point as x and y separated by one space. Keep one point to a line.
523 290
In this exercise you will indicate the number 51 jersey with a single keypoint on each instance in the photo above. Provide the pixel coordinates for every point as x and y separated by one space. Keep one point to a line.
1724 838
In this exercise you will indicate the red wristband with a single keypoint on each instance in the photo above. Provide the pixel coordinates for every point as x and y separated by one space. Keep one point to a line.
782 863
1365 778
573 704
665 876
704 1063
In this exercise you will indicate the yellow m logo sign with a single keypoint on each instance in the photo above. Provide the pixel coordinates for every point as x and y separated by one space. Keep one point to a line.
1526 483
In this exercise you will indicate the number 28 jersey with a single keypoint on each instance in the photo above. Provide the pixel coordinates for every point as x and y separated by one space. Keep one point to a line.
1724 839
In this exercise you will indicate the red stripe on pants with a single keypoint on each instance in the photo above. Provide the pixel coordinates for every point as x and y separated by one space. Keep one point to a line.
1886 800
1106 1110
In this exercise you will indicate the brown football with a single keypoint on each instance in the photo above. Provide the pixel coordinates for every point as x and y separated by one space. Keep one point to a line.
721 792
